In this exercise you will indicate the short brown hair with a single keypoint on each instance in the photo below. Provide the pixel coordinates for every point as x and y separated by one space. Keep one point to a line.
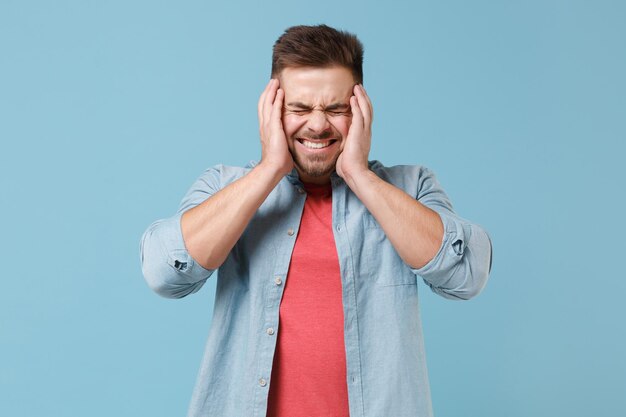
318 46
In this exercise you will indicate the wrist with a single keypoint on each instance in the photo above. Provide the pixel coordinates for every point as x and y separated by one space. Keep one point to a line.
355 176
272 170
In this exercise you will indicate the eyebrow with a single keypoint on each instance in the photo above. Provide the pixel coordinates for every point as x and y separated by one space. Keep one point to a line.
330 107
338 106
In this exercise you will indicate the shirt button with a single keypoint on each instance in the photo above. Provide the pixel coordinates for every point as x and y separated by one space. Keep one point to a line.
300 190
338 228
262 382
270 331
290 232
278 281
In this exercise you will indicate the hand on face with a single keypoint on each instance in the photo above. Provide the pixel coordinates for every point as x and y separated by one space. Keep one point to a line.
353 157
274 150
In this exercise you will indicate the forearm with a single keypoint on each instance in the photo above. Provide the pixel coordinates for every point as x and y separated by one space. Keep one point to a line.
414 230
211 229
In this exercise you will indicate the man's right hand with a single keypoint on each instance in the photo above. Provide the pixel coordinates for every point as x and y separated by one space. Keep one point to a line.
227 212
274 149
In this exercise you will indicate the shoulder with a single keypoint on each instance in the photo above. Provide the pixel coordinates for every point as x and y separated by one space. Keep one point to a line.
408 175
418 181
221 175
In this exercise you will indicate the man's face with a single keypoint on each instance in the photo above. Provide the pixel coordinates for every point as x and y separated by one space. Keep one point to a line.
316 118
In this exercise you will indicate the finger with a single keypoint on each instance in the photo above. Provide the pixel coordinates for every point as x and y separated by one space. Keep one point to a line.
363 106
262 100
269 99
369 102
277 108
357 115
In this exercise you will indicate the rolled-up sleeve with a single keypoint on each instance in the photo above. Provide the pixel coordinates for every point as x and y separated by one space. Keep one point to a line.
461 267
167 266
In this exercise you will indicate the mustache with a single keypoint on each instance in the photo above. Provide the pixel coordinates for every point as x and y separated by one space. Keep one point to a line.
321 136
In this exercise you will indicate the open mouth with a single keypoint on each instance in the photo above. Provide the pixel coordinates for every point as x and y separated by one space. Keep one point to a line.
316 144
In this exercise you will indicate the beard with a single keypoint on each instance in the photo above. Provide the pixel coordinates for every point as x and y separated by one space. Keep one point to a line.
315 166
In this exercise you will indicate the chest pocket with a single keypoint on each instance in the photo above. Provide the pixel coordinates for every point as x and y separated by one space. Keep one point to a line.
369 222
379 259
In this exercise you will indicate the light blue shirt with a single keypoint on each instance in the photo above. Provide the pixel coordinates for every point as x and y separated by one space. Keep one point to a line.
385 358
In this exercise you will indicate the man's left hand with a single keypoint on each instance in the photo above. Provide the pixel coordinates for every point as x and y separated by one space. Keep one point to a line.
353 158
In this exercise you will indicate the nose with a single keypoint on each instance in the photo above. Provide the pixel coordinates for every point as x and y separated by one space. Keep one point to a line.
317 122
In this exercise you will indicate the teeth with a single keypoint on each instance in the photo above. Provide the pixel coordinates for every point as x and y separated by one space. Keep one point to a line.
315 145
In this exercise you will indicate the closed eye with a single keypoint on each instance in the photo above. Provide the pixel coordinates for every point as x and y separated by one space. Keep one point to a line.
333 110
339 113
297 111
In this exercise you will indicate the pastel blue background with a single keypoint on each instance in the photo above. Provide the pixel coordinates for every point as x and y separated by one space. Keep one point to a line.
109 110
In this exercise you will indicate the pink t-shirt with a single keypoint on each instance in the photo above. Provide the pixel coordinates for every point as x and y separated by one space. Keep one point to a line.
309 370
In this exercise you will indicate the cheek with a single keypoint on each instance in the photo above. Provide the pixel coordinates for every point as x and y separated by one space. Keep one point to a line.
342 124
291 124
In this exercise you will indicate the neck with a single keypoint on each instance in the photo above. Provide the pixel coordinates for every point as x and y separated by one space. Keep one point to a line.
325 179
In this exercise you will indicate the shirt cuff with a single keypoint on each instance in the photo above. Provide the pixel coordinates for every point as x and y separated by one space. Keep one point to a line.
167 265
452 248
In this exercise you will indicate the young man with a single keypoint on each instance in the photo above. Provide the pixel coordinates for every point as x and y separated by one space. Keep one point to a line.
318 252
